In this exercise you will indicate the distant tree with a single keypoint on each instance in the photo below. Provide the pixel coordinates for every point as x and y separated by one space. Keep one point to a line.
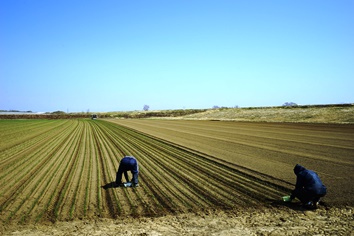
216 107
290 104
58 112
146 107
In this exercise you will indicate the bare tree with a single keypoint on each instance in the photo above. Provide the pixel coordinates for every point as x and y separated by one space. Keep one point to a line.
290 104
146 107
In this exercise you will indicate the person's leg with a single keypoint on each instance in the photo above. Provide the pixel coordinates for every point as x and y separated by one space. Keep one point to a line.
119 174
133 165
124 166
135 179
316 200
126 176
302 195
310 200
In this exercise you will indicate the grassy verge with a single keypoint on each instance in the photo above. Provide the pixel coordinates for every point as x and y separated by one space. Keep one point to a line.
303 114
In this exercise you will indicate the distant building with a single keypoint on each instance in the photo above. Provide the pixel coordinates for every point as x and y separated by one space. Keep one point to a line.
94 116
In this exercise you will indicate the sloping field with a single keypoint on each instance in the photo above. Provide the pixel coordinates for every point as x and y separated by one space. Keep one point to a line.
269 149
336 113
54 170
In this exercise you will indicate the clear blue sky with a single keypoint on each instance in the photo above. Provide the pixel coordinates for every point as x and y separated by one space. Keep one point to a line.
118 55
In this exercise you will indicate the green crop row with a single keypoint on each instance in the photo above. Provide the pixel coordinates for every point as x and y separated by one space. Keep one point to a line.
55 169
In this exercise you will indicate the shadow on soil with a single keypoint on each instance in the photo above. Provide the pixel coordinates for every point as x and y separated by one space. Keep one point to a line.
114 185
110 185
296 206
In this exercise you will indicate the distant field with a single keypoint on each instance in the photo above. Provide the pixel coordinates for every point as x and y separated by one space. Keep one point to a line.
300 114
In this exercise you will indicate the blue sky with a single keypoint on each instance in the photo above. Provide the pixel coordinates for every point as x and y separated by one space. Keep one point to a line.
120 55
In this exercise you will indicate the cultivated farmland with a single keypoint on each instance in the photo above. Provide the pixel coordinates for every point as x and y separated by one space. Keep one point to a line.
54 170
269 149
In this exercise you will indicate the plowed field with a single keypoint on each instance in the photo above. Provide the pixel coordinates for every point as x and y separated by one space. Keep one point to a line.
54 170
268 149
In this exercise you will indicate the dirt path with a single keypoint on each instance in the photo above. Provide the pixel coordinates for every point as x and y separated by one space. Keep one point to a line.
260 221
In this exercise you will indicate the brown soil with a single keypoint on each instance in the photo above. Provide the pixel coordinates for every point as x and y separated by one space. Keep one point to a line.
197 178
279 220
269 149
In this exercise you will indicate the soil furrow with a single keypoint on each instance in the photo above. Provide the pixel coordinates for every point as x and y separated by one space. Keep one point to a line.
56 172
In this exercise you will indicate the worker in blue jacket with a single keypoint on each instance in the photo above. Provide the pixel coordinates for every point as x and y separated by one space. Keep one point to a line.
309 187
128 163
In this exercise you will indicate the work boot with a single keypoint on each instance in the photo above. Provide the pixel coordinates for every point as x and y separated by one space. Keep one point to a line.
316 204
308 205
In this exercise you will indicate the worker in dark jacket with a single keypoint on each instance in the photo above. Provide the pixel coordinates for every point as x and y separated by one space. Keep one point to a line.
309 187
128 163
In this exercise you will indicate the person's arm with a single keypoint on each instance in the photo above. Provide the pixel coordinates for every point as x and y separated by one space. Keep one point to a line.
298 186
299 183
126 176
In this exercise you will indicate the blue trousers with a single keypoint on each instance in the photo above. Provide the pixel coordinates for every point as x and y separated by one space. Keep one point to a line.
128 163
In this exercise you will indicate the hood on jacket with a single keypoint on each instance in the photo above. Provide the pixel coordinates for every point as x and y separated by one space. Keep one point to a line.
298 168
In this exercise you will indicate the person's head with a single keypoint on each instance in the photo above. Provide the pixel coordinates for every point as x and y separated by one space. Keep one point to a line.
298 168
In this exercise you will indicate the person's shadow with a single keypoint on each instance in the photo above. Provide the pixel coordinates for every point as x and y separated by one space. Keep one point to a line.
297 206
110 185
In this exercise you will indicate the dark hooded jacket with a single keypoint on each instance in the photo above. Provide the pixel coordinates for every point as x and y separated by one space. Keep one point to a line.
308 180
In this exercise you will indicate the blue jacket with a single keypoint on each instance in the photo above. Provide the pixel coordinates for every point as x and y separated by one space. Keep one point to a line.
308 180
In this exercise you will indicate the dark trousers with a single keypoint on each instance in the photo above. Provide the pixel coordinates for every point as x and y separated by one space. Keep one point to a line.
305 196
127 164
